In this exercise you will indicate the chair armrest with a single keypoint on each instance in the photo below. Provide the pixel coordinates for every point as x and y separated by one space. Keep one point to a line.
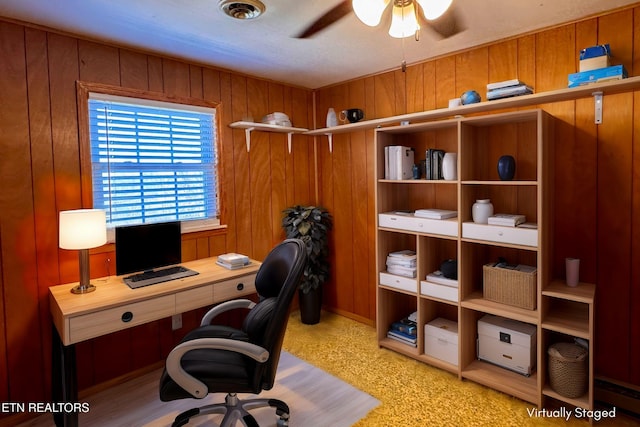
191 384
225 306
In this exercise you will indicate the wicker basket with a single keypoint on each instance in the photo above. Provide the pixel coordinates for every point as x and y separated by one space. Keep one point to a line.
568 369
511 287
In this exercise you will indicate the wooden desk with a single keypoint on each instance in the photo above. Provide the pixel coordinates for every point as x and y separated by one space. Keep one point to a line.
114 307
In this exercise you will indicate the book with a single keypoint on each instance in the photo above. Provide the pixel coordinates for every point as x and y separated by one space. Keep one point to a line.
528 225
435 213
405 254
402 338
398 162
438 278
509 91
405 327
510 220
231 266
401 271
505 83
234 259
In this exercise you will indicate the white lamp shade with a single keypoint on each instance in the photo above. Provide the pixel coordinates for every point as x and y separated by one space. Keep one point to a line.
370 11
433 9
82 229
403 22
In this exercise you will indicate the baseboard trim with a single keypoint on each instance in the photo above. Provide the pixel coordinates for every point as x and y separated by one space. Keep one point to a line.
619 394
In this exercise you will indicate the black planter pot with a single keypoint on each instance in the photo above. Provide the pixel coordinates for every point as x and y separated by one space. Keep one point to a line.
310 306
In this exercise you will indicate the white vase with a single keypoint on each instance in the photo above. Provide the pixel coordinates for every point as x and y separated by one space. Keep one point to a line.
450 166
481 210
332 119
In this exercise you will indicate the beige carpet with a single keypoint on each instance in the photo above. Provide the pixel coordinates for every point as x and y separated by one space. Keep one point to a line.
412 393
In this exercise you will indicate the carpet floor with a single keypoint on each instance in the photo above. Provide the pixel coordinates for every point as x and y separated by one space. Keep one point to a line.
411 393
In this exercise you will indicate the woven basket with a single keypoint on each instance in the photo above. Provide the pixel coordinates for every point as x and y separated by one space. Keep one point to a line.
511 287
568 369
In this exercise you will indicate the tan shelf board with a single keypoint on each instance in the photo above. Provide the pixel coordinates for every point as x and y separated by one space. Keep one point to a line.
476 302
416 233
444 301
399 347
438 363
568 322
267 127
501 244
497 182
400 291
582 401
514 384
558 95
584 292
417 181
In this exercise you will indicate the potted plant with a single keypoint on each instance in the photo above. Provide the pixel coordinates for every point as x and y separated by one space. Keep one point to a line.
311 224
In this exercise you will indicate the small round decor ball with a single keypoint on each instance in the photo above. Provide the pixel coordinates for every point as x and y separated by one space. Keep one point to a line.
470 97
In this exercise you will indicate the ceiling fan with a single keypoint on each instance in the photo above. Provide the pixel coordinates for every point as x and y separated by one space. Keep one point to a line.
438 15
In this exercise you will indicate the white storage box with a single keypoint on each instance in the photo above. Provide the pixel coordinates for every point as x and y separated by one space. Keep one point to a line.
399 282
441 340
507 343
436 290
445 227
501 234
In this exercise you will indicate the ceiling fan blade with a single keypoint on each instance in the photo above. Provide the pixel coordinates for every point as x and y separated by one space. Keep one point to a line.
336 13
449 24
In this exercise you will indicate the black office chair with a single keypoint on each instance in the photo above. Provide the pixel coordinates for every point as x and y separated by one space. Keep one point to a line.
216 358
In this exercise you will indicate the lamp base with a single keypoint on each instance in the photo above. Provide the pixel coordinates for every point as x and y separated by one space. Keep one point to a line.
83 289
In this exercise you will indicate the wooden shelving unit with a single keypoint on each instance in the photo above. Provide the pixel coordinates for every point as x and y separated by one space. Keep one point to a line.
561 312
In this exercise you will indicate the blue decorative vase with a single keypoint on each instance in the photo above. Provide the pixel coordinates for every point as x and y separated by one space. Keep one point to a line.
470 97
506 168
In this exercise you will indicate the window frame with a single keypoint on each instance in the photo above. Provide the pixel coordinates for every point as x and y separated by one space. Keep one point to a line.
83 92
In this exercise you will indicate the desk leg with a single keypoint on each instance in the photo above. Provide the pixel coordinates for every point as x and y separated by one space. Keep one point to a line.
64 383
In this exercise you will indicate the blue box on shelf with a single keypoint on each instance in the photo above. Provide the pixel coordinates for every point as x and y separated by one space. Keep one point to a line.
599 75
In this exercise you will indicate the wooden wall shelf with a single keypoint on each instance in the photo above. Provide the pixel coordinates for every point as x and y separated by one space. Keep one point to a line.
251 126
566 94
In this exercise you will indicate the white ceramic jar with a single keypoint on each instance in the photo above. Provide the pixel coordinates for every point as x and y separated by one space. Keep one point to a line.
481 210
332 119
450 166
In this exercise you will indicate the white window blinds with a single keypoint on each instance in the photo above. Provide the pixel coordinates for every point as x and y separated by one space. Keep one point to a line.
152 161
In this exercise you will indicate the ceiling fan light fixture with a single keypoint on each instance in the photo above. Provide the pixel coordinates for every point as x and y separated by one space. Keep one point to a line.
242 9
370 11
404 22
433 9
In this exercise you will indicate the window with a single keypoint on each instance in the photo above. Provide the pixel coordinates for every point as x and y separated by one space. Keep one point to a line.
153 161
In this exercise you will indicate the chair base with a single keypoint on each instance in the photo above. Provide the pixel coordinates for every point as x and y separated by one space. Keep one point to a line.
235 410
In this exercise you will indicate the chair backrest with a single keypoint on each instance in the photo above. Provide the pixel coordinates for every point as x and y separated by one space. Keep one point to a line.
276 283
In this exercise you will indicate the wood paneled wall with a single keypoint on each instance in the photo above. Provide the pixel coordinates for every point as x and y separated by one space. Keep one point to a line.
40 176
597 201
597 170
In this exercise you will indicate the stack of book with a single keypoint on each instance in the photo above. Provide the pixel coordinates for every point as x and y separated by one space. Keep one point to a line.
433 164
233 261
509 220
507 89
435 213
402 263
404 330
398 162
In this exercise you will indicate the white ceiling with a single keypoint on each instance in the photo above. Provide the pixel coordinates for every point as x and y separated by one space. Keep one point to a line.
198 31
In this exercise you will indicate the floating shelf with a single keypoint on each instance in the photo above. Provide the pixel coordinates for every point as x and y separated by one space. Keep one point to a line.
251 126
566 94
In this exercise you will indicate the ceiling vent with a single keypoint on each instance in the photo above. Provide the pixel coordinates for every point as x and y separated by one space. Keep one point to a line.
245 9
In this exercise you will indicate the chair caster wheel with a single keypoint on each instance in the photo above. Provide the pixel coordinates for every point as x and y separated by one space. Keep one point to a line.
282 423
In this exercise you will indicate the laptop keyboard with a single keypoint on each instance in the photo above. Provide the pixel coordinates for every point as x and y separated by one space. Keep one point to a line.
158 276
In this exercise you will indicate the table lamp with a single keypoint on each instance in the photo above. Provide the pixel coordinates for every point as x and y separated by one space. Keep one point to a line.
81 230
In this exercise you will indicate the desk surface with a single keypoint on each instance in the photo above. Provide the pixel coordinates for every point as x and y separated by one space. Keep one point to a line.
113 298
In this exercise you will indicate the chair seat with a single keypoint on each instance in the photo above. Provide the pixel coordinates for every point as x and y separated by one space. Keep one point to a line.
220 370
